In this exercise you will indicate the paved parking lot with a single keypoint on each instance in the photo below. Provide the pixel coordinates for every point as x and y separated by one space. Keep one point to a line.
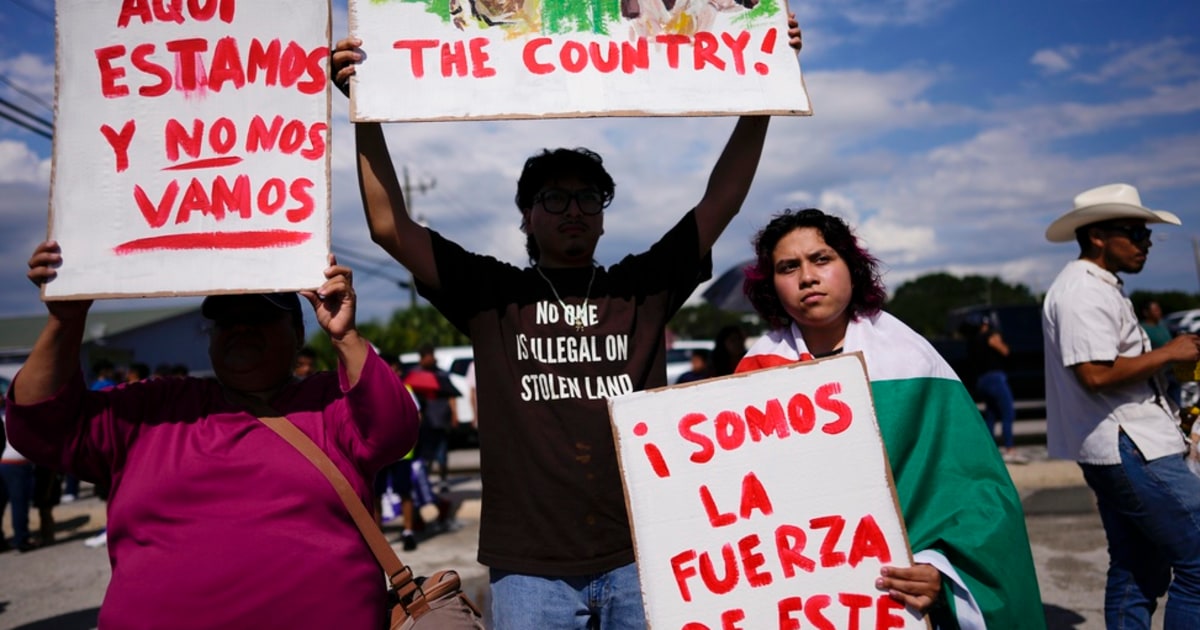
61 587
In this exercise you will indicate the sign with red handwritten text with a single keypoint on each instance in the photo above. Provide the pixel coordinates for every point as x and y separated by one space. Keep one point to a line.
190 147
762 500
496 59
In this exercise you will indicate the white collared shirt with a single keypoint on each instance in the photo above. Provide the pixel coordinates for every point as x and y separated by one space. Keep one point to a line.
1086 317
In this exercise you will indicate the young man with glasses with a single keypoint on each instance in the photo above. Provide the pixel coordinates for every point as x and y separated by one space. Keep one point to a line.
1106 408
552 342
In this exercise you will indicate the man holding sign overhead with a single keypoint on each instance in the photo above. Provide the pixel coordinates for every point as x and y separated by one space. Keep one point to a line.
553 341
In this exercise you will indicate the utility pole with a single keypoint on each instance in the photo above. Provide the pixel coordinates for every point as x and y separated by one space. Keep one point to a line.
421 186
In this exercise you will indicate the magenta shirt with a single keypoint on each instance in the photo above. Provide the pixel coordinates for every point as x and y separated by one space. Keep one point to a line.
213 520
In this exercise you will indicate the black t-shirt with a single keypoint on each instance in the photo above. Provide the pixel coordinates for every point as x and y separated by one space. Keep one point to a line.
983 357
553 502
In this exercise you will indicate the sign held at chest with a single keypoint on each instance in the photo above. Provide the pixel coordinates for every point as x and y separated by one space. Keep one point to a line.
762 500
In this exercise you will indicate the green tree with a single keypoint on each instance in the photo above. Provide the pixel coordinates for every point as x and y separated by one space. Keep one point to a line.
924 302
704 320
1170 301
405 331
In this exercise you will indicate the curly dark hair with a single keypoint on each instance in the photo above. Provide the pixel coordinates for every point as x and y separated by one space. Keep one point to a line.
549 166
867 295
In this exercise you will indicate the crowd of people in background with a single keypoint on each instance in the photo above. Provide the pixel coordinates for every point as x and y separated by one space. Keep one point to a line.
25 486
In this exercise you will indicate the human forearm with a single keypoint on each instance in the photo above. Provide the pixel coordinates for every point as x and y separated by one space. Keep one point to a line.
1102 375
351 350
731 178
53 361
382 196
383 201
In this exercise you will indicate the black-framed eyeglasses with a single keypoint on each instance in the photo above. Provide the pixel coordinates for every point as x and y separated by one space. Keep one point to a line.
1135 233
556 200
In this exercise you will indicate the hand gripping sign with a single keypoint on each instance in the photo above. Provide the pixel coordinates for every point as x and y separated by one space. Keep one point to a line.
495 59
762 500
190 147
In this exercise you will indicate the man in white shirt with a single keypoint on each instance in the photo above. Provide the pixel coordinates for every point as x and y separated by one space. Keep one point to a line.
1107 409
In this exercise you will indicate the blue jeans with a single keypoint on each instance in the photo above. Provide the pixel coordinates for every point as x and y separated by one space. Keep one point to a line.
1151 515
604 601
998 403
18 480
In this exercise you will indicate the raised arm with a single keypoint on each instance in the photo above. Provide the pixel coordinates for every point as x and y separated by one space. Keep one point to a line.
730 180
383 199
55 357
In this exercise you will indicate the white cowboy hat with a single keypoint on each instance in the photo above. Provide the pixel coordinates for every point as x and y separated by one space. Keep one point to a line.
1112 201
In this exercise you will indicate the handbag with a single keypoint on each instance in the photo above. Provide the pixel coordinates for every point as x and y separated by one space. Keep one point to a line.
436 602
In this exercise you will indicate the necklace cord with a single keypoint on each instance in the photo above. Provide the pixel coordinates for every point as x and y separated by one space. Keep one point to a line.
577 319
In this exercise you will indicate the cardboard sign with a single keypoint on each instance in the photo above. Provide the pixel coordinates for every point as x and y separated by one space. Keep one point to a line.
762 500
190 147
490 59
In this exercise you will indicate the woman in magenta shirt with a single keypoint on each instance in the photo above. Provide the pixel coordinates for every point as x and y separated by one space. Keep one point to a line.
214 521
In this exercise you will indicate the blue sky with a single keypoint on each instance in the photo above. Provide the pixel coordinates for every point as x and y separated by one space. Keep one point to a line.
949 133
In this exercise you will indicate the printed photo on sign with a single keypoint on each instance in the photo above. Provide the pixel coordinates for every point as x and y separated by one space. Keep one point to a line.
191 147
495 59
762 500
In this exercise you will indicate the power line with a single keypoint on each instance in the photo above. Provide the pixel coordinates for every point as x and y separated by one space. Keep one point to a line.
372 265
20 123
26 93
28 114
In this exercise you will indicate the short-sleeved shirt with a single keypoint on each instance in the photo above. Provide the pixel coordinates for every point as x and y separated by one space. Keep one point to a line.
1086 317
553 502
214 521
1158 333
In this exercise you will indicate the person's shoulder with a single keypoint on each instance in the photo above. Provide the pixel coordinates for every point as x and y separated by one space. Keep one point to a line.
900 352
446 248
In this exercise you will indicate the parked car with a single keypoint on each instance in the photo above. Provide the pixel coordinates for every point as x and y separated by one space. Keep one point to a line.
456 360
679 356
1021 326
1183 321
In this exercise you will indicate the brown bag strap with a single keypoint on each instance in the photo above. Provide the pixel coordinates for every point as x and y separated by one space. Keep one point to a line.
399 575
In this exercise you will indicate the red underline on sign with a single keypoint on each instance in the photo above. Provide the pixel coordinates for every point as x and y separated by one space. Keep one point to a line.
214 240
205 163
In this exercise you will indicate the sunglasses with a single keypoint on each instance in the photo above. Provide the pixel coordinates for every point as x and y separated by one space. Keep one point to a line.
1135 234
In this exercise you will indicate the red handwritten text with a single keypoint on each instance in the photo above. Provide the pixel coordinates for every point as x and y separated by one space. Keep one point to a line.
730 429
742 558
726 52
219 199
271 63
173 11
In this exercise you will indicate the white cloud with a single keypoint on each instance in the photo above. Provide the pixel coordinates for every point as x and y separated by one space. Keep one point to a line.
1157 63
1154 63
20 164
897 243
888 12
1057 60
33 74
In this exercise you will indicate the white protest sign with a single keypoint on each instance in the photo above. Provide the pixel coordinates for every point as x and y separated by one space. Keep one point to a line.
492 59
190 147
762 500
